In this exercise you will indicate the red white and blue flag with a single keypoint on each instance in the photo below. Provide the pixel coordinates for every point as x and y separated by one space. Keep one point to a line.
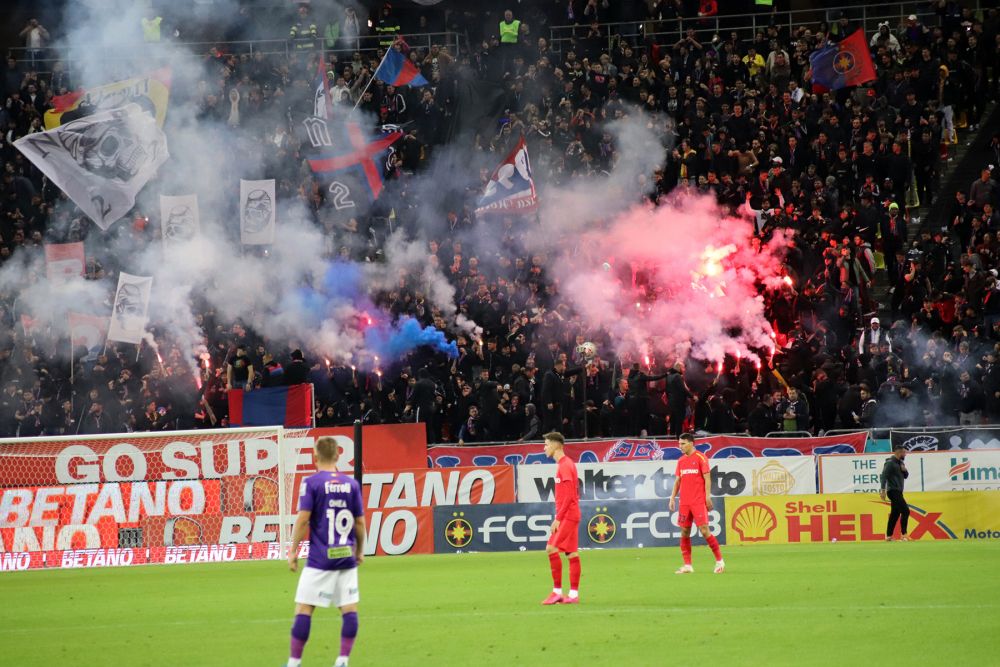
322 104
349 147
291 407
511 188
397 70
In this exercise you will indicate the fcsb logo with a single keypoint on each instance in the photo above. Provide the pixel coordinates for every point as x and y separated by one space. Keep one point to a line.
601 527
458 532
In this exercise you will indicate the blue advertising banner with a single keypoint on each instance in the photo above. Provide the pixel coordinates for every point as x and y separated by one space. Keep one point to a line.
607 524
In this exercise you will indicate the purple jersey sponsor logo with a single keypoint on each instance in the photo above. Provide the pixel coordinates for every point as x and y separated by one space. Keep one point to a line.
334 501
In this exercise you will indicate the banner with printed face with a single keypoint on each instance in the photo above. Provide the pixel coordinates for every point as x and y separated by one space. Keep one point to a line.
654 480
65 261
257 212
100 161
595 451
612 524
128 317
179 218
970 437
955 515
972 470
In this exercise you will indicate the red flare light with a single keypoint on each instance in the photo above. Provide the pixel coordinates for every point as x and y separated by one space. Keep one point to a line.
646 360
787 280
718 367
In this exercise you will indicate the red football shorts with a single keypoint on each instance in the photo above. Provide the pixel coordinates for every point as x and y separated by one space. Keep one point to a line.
698 513
567 537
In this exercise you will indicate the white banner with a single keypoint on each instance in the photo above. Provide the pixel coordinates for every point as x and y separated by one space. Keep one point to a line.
101 161
257 202
962 470
179 218
128 317
652 480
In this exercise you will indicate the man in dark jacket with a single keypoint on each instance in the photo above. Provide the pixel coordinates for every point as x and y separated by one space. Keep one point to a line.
677 399
554 389
638 390
893 475
296 372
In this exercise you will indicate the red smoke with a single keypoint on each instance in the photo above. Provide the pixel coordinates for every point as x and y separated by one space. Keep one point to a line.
685 281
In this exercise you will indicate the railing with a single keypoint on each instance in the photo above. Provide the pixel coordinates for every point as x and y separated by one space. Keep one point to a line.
868 16
41 61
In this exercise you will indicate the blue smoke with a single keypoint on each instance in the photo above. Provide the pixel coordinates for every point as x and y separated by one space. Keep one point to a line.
405 336
342 282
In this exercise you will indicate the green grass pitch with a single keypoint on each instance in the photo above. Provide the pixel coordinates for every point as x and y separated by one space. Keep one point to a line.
921 603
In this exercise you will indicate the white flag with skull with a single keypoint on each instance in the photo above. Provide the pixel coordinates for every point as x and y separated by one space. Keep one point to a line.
101 161
128 317
179 218
257 212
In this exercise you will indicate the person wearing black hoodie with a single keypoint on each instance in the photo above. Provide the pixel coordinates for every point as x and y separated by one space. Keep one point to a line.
296 372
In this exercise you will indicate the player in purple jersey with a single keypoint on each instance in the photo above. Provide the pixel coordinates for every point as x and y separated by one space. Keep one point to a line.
331 508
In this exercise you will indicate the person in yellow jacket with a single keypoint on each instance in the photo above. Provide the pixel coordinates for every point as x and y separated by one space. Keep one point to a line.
754 61
510 35
151 23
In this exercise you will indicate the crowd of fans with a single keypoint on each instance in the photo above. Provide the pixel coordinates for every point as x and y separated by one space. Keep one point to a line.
844 172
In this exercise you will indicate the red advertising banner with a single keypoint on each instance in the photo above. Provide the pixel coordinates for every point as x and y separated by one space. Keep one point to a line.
595 451
390 533
195 455
196 489
386 446
427 488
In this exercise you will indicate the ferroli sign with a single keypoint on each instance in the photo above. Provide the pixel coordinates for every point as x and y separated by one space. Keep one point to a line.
850 517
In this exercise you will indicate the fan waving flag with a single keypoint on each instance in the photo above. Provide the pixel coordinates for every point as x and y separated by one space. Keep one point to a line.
397 70
511 187
848 63
322 104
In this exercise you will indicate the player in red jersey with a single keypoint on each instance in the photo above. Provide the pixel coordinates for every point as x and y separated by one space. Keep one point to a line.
566 527
694 481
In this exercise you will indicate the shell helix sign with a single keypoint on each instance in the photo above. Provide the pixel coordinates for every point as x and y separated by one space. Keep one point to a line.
851 517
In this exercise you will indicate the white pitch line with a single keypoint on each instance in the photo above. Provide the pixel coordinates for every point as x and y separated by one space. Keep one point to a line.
423 615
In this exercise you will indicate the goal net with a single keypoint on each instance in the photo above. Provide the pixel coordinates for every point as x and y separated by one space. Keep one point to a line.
178 497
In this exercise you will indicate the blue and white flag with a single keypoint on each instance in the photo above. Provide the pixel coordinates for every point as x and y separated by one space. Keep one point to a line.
511 188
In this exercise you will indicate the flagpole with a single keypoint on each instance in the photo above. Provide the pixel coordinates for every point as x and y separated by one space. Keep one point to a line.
72 364
372 78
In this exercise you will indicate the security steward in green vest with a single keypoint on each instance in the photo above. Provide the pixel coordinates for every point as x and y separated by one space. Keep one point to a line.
510 34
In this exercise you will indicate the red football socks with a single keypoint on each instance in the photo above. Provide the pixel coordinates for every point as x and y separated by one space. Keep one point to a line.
686 549
556 563
574 574
714 544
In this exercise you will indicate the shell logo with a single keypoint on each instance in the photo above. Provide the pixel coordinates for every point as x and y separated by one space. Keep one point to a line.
773 479
754 522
